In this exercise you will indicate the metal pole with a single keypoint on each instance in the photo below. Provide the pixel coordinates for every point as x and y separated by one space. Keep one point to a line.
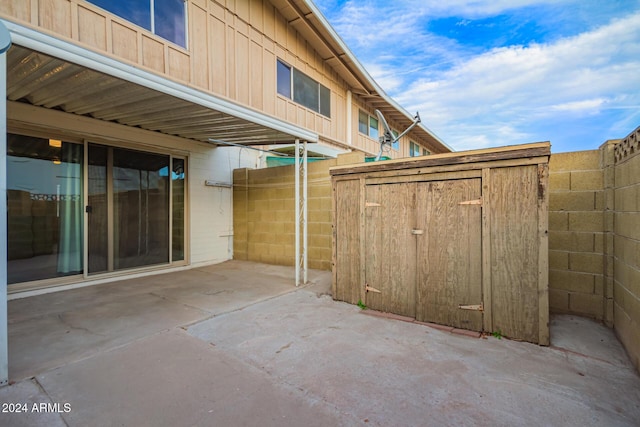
5 43
297 213
304 213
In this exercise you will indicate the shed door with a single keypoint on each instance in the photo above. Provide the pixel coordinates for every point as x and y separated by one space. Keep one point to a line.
390 248
449 253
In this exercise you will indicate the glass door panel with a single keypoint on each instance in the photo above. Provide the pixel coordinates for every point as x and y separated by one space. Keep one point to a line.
44 208
140 208
177 210
98 209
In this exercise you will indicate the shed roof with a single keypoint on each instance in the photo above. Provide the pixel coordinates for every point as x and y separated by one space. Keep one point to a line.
537 149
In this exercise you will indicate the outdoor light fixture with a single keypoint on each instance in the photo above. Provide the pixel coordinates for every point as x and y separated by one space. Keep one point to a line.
55 143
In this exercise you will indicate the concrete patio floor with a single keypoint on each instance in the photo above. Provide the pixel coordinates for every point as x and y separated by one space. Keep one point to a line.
238 344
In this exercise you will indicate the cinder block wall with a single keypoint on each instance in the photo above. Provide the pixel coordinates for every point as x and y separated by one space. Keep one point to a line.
594 229
626 257
576 234
594 236
264 213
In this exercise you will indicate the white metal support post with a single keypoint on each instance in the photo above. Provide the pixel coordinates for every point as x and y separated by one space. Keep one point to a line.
297 213
301 213
5 42
304 213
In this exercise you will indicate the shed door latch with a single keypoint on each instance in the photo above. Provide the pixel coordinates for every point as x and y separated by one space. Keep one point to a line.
370 289
477 307
471 202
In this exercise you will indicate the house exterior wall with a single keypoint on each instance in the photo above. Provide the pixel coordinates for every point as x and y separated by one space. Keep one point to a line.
209 209
232 50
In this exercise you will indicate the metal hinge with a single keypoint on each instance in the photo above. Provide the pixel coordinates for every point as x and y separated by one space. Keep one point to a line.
371 204
477 307
417 232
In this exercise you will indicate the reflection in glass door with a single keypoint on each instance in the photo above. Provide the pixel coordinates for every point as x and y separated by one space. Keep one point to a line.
44 208
177 212
97 209
141 208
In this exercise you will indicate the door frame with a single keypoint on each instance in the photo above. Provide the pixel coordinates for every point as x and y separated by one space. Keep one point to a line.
483 228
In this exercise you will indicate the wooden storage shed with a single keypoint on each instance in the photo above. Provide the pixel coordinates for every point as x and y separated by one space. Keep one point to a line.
458 239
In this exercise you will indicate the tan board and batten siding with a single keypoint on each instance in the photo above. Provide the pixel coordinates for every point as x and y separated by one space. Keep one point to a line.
458 239
232 49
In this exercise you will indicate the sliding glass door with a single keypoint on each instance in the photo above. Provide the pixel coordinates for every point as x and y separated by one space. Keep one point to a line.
135 209
130 208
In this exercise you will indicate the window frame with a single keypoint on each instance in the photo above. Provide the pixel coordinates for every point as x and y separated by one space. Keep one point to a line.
289 92
416 152
372 132
152 20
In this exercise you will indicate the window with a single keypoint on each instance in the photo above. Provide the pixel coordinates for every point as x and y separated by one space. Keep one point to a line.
414 149
425 152
368 125
363 122
294 84
166 18
284 80
305 91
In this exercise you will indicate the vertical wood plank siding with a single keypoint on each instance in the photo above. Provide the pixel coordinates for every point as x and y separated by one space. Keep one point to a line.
457 239
231 52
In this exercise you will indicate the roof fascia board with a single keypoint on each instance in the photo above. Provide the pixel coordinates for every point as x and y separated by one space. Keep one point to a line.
360 68
67 51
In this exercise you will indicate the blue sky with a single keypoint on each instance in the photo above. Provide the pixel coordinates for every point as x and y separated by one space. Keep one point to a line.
502 72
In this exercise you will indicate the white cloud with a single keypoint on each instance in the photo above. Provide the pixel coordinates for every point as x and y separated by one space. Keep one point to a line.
472 97
369 26
586 105
521 85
